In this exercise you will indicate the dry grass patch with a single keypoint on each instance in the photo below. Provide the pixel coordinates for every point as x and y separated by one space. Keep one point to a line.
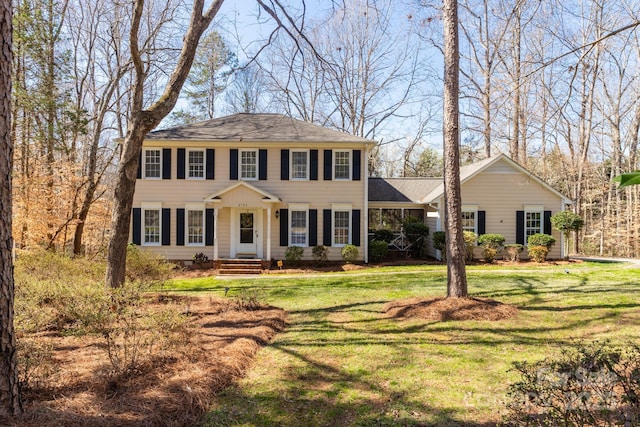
446 309
172 388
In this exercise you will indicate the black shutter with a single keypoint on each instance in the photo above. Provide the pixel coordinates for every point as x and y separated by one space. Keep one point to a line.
166 163
166 226
208 226
313 160
233 164
181 163
326 227
520 228
284 165
328 160
284 227
210 163
136 230
262 165
356 165
547 222
482 228
139 175
313 227
180 227
355 227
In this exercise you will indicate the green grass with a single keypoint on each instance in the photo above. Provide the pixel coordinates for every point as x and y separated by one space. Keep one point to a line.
340 362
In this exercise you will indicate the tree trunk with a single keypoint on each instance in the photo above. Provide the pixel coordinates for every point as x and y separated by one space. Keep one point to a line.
10 402
456 273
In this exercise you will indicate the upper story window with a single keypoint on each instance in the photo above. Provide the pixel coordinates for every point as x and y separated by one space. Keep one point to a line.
469 219
152 163
249 164
299 165
533 223
195 164
342 164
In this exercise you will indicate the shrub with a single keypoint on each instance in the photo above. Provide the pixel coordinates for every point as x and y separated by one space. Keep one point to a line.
489 254
384 235
491 240
538 253
470 239
595 384
541 240
349 253
146 268
417 232
200 258
439 239
320 254
293 254
514 250
378 250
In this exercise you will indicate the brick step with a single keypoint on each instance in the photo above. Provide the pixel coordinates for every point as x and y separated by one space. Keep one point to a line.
240 266
239 271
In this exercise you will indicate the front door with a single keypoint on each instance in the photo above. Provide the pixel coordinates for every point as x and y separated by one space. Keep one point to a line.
248 233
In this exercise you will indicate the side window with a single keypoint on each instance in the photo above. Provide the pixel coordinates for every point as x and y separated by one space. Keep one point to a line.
532 224
195 164
469 220
248 164
152 163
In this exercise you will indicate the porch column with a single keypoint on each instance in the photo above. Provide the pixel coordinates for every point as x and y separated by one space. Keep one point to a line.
269 233
215 234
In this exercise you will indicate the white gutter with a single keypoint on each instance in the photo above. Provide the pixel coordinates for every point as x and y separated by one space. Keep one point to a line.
365 231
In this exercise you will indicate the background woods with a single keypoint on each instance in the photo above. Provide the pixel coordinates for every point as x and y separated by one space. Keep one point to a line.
553 84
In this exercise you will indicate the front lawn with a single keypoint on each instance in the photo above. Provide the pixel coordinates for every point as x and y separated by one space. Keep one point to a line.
341 361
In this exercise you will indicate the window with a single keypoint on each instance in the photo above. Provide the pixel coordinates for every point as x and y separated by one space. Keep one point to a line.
195 227
195 164
249 164
298 225
152 163
299 165
532 223
469 219
341 227
342 165
151 227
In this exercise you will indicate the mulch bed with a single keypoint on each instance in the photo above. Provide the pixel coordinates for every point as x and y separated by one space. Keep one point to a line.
173 390
447 309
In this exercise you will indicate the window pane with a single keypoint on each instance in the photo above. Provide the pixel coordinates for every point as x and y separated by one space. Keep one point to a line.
195 227
341 227
246 227
469 221
196 164
532 224
299 165
248 165
152 226
342 169
299 228
152 164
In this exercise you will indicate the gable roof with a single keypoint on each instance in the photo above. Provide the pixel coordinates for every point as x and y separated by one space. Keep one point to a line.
255 128
469 171
266 196
401 189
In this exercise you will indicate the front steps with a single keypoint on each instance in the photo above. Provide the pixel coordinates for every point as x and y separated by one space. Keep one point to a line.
240 266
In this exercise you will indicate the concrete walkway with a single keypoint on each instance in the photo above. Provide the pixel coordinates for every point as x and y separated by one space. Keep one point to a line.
633 262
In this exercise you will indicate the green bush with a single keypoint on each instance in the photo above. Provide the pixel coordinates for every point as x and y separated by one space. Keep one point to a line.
147 268
417 232
540 239
384 235
293 255
491 240
349 253
320 254
200 258
538 253
378 250
470 239
594 385
439 239
489 254
514 250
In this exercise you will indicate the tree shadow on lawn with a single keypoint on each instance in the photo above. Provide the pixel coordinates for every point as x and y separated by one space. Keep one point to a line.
322 395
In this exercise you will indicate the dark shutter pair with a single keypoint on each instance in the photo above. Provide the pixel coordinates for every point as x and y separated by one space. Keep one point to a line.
166 164
284 165
520 226
209 163
208 226
356 164
165 236
233 164
355 227
284 227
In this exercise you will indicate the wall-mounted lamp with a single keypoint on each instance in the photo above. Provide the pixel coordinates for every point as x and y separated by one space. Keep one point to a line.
278 214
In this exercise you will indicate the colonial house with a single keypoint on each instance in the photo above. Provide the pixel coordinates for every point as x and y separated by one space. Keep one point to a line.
251 185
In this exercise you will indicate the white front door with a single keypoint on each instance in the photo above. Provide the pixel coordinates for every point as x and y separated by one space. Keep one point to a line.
247 233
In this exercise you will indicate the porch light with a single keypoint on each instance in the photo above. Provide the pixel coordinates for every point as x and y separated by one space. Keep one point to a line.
278 214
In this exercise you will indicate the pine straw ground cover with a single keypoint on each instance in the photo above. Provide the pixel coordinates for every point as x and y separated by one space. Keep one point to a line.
171 389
